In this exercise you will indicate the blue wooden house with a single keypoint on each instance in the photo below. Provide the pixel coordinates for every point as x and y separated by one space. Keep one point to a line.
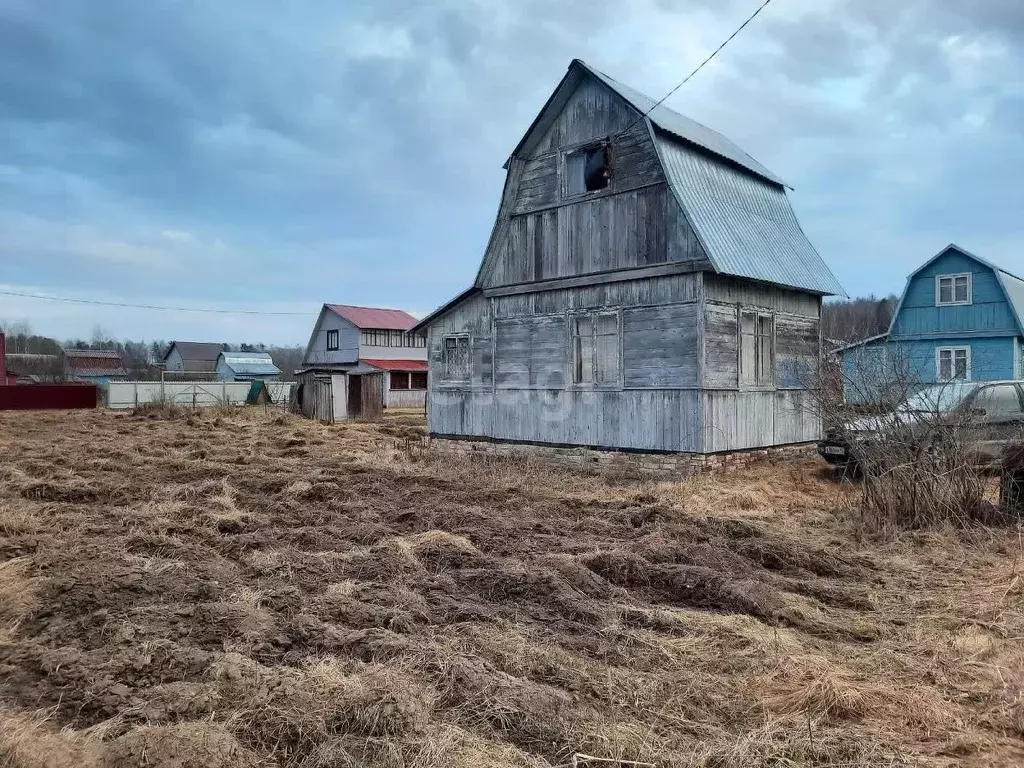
959 318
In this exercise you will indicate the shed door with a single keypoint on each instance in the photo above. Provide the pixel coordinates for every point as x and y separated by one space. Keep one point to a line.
372 395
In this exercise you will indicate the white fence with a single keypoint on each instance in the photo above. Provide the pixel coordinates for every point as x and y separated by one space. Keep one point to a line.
130 394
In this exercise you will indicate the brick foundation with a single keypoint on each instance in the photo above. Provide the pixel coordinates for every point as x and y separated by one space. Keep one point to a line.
629 462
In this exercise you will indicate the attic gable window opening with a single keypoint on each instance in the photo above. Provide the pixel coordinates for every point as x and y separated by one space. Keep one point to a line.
953 289
332 341
588 169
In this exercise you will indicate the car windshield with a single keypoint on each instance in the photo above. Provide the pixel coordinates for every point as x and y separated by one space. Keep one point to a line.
940 398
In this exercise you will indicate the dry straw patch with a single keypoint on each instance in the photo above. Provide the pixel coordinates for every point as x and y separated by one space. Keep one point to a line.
263 591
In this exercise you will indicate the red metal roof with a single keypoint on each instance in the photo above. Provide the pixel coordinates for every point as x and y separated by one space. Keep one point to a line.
397 365
374 317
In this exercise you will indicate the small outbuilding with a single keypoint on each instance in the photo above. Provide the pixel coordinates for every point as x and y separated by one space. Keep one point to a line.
99 366
198 357
245 366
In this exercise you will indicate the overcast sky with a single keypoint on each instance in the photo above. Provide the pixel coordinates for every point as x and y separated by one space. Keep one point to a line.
266 155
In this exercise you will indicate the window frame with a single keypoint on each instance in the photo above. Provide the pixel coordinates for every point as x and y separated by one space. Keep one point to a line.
574 350
952 278
952 363
336 335
771 379
582 149
413 379
445 375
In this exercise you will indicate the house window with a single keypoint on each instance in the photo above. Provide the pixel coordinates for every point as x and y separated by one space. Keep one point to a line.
332 340
415 340
456 357
418 380
587 169
399 380
953 289
376 338
757 348
595 346
953 363
397 338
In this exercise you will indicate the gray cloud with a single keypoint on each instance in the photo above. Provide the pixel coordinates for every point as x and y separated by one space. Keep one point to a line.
317 151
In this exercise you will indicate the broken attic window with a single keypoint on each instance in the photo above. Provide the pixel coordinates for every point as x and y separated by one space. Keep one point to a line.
595 169
587 169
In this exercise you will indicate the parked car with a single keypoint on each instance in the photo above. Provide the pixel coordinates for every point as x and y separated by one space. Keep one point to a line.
989 415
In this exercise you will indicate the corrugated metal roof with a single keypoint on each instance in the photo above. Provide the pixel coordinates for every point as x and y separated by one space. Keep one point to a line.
747 226
250 363
205 351
683 127
374 317
397 365
1014 288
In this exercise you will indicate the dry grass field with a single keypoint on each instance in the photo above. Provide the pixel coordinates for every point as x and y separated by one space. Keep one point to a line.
250 589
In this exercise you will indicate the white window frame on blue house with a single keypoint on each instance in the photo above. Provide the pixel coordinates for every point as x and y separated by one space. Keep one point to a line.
952 363
953 301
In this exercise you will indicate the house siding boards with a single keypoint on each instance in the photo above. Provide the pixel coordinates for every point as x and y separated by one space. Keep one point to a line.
906 358
631 251
348 342
988 313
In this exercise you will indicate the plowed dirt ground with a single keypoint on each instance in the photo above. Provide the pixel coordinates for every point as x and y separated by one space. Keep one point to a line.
253 589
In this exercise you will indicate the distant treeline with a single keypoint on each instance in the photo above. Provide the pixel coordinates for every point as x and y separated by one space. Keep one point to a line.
139 358
849 320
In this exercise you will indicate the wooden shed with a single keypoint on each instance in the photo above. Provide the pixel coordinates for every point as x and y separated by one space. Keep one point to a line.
646 286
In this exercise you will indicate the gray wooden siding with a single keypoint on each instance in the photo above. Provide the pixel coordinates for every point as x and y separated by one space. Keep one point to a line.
593 111
348 341
735 290
721 347
659 346
472 317
797 349
738 420
543 234
653 291
662 420
531 352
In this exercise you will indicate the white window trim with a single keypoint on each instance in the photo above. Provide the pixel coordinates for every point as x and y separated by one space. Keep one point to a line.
954 302
337 340
952 354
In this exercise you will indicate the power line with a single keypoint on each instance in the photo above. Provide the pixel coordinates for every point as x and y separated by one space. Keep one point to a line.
700 66
147 306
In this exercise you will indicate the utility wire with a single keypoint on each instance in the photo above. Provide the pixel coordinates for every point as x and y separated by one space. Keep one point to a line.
700 66
146 306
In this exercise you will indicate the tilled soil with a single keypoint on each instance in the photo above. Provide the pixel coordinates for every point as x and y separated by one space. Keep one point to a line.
249 588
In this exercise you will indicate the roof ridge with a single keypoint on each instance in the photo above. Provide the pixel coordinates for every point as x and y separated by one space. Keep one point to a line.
363 306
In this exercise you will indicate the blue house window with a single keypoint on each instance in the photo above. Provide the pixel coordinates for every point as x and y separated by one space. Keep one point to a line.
953 363
332 340
953 289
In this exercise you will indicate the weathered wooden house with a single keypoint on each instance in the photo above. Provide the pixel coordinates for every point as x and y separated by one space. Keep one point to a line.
960 317
359 355
99 366
646 286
